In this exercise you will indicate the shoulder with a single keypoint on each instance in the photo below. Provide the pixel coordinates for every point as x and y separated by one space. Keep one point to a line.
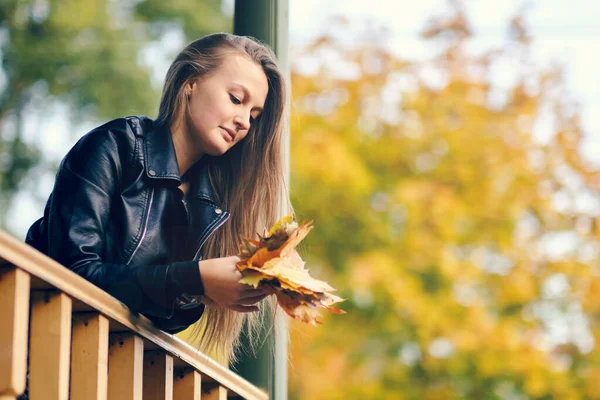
108 148
119 134
114 140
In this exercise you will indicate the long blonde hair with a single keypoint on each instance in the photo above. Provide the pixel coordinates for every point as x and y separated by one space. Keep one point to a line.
248 180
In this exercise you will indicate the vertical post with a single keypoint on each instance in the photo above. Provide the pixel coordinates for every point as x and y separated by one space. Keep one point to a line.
89 357
187 384
125 366
14 316
50 345
214 392
158 376
268 21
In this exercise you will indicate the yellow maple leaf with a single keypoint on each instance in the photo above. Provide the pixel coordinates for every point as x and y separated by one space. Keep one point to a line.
252 278
275 263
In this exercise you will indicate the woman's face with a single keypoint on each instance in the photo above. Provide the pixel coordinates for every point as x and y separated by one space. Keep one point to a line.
223 105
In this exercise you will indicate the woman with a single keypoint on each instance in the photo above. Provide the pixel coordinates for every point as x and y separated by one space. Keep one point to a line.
152 211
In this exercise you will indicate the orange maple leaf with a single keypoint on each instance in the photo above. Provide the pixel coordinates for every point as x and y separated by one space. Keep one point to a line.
274 263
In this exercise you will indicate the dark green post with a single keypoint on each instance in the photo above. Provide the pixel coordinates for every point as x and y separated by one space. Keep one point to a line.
267 21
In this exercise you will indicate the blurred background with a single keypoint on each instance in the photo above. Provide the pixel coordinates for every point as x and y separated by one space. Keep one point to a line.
447 151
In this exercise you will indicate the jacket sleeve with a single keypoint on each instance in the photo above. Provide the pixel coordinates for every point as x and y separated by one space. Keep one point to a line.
77 218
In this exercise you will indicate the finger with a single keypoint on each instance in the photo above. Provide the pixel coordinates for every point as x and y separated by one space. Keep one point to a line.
244 309
247 291
268 289
252 300
208 301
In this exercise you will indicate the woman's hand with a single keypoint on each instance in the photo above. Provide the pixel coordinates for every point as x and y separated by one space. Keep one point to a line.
220 278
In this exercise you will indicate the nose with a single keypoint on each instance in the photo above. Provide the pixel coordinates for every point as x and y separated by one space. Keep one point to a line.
243 124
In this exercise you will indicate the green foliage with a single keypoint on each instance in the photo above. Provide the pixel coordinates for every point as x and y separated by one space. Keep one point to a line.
196 18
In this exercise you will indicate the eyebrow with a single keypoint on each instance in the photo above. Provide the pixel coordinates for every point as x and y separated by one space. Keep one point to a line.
248 95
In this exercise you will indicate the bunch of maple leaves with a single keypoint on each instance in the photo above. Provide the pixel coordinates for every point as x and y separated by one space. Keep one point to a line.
274 263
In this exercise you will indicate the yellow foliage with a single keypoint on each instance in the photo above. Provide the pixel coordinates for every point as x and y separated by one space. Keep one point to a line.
591 386
518 287
445 227
591 297
326 157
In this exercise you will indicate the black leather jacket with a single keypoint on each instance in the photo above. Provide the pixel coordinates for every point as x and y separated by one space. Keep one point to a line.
117 218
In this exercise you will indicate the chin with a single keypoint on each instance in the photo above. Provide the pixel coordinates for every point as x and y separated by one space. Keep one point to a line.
218 149
217 153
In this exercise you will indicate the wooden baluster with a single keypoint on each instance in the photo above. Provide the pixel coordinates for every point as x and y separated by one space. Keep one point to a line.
14 316
158 376
214 392
187 385
89 357
50 346
125 366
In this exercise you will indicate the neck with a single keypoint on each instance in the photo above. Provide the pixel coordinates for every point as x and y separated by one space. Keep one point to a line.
185 149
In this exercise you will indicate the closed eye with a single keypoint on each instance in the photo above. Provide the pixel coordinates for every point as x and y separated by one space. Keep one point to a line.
234 99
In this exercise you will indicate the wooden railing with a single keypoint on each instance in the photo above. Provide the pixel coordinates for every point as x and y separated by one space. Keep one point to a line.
66 338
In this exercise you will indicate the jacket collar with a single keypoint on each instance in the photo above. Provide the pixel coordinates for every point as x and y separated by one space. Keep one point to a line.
161 163
200 180
159 153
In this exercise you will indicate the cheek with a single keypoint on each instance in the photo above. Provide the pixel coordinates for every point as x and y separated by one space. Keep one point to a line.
204 119
205 110
241 136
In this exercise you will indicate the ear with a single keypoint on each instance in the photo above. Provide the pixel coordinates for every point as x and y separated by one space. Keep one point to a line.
187 88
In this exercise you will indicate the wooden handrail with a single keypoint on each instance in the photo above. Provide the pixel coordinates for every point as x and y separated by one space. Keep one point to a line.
46 273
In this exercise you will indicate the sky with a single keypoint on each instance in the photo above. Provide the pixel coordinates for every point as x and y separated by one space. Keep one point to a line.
566 31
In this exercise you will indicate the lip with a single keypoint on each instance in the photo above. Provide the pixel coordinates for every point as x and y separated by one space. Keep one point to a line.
230 133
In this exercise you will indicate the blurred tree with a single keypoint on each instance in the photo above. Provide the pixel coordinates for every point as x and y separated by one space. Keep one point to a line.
85 54
466 246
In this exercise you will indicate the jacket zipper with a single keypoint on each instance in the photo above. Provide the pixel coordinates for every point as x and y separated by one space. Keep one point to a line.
145 228
205 238
187 212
